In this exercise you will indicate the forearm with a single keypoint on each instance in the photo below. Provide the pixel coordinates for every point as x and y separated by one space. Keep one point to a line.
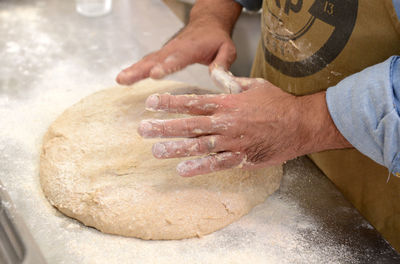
222 12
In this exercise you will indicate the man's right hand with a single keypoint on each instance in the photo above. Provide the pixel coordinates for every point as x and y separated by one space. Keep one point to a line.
206 40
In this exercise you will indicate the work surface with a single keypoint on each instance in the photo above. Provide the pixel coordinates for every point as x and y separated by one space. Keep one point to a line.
52 57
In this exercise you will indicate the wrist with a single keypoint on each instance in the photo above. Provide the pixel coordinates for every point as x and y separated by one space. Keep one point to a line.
223 13
317 130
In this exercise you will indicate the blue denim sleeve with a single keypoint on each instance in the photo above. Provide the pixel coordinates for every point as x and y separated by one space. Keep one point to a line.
252 5
365 108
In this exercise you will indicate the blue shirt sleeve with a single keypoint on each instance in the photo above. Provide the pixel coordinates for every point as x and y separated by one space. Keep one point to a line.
396 4
252 5
365 108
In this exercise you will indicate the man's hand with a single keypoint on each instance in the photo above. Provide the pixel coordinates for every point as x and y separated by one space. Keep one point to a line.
206 40
259 127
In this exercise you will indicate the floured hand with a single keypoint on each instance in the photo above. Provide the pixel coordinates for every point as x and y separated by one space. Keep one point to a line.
259 127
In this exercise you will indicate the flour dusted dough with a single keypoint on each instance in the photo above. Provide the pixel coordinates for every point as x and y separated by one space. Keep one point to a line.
94 167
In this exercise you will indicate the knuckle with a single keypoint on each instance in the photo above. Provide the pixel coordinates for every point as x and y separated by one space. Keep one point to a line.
178 149
232 50
163 128
220 123
168 103
214 163
165 101
206 144
211 143
192 125
227 101
186 126
224 160
187 102
173 59
196 147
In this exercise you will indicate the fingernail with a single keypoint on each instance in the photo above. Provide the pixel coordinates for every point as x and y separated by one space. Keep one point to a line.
145 128
152 102
159 150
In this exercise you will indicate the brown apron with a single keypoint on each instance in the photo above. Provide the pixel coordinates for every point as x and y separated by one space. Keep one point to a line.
310 45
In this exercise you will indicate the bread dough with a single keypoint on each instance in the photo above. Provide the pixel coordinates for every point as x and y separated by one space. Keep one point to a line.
94 167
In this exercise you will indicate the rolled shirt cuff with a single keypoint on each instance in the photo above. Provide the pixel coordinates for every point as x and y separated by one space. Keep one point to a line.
363 108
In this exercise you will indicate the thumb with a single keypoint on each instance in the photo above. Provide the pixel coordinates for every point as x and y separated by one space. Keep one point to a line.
225 80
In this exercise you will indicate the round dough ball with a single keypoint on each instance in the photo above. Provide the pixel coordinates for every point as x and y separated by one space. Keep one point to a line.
95 167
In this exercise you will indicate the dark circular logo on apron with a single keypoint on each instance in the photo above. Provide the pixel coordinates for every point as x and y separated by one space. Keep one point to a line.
330 23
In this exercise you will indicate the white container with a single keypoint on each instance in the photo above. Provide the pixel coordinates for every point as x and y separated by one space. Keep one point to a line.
93 8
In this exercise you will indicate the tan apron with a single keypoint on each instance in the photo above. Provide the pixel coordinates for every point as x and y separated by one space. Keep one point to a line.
310 45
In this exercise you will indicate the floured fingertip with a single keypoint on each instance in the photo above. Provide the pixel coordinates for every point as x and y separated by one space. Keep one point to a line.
159 150
225 80
152 102
146 129
187 168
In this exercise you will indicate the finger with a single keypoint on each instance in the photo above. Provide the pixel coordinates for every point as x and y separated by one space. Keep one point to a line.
190 147
185 104
144 67
171 64
183 127
225 80
226 55
136 72
249 83
217 162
